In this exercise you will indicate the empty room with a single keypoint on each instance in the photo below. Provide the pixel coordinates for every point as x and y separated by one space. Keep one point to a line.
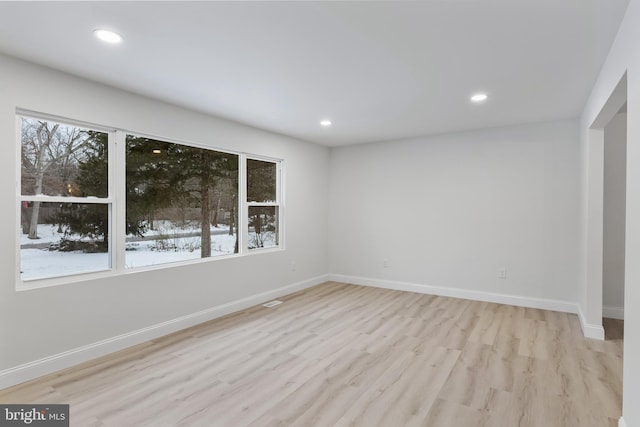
320 213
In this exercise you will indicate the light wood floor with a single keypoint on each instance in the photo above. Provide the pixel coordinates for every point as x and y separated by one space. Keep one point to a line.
342 355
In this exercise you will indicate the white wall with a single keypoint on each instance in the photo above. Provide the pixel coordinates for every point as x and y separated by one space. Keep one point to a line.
40 323
615 168
449 211
624 57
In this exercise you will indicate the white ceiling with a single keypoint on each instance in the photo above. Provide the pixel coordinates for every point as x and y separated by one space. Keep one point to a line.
378 70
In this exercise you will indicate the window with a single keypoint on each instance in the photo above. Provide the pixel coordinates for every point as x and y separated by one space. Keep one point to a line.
263 219
161 202
65 207
182 202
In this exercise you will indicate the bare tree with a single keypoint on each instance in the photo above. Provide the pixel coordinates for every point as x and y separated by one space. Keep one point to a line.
48 149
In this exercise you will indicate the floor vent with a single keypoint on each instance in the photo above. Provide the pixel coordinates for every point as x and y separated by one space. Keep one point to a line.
272 303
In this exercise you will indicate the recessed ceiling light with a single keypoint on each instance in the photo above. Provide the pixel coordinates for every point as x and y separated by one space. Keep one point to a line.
325 123
479 97
108 36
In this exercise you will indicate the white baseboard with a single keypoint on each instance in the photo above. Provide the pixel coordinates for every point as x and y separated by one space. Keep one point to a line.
542 303
589 331
56 362
621 422
612 312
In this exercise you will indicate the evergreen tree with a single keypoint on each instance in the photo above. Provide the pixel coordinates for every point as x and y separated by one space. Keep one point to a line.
161 174
197 173
89 219
150 181
261 187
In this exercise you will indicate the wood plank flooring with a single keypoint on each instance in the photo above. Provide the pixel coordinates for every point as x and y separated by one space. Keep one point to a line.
345 355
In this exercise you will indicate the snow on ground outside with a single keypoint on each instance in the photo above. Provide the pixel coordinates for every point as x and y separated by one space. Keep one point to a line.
40 263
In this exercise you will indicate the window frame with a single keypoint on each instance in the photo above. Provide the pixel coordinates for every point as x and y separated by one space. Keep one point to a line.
116 202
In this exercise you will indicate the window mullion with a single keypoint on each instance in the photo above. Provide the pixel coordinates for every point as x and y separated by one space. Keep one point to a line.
279 199
243 217
65 199
118 169
263 204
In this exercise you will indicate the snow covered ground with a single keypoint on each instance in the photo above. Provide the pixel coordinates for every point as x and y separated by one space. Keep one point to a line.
159 247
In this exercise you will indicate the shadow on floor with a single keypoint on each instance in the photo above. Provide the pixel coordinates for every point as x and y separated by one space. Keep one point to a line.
613 329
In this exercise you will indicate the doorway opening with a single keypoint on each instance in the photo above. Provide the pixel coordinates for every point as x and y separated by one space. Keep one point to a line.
614 215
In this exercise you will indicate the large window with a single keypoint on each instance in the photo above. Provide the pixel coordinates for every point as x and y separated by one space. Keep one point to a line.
83 211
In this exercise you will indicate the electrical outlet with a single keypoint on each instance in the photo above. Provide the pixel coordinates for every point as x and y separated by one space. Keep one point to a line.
502 273
293 266
385 263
